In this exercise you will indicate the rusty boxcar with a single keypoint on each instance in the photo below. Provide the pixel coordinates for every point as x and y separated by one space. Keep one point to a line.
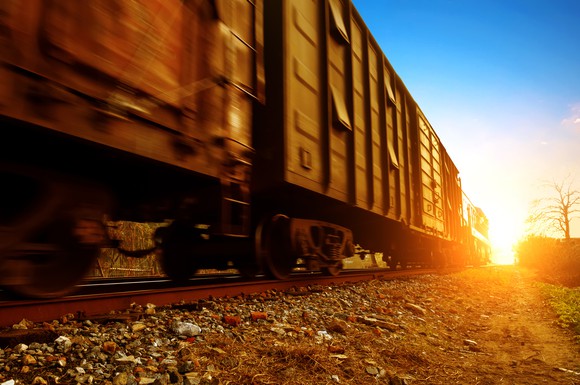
342 138
138 110
265 135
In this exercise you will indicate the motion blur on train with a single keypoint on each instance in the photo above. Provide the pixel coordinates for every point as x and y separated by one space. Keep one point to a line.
266 136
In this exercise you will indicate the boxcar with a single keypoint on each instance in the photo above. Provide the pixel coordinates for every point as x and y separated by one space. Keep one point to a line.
342 138
262 135
140 110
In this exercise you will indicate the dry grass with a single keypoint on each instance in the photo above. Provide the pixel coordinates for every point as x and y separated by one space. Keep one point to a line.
428 349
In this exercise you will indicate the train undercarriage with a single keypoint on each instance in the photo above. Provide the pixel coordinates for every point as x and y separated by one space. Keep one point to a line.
55 223
54 226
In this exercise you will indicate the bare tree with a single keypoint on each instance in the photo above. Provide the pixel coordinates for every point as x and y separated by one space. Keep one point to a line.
555 212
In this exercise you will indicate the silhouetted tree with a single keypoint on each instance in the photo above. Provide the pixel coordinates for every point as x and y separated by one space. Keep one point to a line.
555 212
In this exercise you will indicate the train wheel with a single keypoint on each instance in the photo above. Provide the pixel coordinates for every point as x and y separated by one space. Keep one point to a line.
332 270
178 245
274 246
52 260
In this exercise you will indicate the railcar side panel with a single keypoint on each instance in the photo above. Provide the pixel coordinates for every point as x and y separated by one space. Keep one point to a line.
399 142
430 152
452 198
369 115
396 192
406 124
375 108
343 125
317 122
476 233
338 78
304 125
350 129
153 78
333 103
363 189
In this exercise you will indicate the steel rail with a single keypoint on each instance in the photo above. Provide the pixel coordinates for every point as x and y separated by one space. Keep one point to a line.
91 302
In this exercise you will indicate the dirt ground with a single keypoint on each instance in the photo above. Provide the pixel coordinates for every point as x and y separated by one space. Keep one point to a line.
483 326
508 329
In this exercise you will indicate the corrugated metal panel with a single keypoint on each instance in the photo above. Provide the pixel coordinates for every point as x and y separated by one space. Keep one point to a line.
432 181
188 70
388 84
138 46
318 97
304 117
337 20
340 115
362 163
411 211
352 130
337 70
241 47
377 130
452 194
339 149
394 137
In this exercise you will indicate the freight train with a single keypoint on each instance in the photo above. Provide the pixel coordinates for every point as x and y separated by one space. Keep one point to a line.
266 136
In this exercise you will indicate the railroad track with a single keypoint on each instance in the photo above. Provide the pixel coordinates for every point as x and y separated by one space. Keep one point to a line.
101 297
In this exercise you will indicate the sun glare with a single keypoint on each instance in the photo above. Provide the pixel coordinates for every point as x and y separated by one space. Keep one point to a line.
503 236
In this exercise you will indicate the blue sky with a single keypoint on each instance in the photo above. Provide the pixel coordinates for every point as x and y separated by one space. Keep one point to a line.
499 80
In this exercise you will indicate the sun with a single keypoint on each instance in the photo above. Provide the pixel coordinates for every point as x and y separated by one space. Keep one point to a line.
504 234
